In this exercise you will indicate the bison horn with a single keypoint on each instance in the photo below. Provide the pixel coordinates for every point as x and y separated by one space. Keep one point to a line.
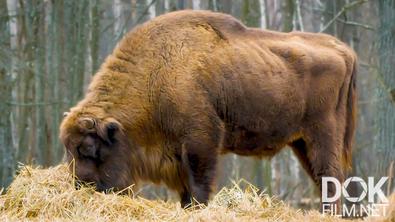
88 123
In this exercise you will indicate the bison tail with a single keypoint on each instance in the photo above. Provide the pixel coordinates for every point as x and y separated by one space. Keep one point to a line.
351 114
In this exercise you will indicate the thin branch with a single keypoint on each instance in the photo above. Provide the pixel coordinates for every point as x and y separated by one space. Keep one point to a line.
369 102
145 12
380 79
33 104
343 10
356 24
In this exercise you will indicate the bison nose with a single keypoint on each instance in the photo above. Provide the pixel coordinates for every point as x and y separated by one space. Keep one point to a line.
100 187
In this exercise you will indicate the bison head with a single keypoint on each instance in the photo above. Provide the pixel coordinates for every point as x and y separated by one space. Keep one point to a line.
98 151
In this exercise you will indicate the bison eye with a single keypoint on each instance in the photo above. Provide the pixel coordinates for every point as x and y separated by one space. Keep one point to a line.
112 128
88 151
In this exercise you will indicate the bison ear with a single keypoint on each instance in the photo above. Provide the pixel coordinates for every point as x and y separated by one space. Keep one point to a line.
108 131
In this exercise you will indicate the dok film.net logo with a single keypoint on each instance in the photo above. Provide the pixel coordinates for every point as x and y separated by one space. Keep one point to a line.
370 202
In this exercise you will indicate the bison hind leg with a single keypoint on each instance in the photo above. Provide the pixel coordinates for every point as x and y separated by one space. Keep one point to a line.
320 153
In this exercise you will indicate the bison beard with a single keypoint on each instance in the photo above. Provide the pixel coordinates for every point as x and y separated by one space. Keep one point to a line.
188 86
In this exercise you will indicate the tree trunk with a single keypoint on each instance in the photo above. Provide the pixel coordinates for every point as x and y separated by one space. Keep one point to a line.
160 8
385 118
7 151
288 15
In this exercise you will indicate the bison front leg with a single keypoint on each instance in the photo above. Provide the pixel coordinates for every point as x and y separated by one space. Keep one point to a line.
199 159
324 153
185 198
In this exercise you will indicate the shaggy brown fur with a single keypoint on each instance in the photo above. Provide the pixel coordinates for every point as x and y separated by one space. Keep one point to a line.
187 86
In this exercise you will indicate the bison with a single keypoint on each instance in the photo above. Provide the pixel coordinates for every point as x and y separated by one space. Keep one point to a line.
185 87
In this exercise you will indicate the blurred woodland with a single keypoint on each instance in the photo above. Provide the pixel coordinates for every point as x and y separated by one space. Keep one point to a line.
50 49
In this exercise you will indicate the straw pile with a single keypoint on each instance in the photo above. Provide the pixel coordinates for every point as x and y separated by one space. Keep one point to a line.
49 195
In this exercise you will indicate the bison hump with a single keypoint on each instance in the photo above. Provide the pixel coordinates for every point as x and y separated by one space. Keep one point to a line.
222 24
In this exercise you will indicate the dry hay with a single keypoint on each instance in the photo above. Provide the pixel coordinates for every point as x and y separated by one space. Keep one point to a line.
49 195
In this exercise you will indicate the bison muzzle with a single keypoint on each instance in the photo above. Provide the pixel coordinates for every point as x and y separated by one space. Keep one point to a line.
187 86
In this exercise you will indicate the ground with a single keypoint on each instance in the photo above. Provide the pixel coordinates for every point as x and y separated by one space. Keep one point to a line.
49 195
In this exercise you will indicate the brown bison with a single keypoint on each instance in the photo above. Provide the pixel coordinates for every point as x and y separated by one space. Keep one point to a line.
187 86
